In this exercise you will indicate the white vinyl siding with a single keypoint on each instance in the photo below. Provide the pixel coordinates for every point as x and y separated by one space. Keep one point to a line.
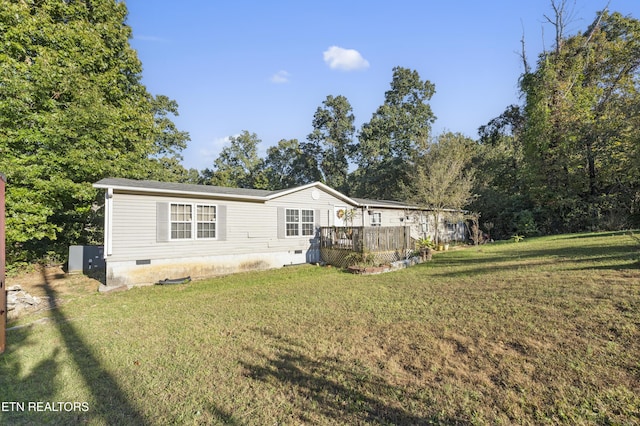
241 227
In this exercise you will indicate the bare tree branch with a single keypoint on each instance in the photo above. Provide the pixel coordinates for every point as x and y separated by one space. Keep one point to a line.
523 54
561 17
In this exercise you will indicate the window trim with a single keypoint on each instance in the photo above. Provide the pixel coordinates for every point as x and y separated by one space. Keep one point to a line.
194 222
198 222
178 221
376 222
300 223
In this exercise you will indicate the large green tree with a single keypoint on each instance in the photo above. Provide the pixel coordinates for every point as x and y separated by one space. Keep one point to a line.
443 176
169 142
286 166
330 144
72 111
502 197
238 164
398 130
581 126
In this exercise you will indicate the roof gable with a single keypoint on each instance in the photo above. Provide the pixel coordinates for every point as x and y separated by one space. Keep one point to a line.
320 186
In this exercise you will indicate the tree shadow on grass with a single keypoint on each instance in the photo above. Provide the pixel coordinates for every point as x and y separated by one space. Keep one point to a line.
329 390
591 235
38 385
600 258
109 405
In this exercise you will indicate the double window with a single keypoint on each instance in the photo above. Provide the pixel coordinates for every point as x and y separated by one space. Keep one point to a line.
299 222
188 220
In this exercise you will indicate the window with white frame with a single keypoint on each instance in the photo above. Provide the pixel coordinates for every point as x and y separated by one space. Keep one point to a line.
376 219
299 222
308 227
206 221
183 221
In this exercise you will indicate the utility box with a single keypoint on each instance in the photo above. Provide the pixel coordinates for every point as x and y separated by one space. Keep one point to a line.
86 259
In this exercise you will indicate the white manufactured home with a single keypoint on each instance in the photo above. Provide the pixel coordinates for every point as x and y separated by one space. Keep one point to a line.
155 230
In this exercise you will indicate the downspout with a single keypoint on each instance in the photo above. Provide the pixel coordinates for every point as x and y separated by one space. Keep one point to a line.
108 223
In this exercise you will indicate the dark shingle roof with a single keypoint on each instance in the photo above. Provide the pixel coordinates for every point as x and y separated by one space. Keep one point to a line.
381 203
182 187
235 193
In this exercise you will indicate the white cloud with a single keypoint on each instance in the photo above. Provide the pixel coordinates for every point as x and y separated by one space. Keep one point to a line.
280 77
342 59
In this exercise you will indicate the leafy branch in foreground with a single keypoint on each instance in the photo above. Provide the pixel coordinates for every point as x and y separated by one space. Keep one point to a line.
73 110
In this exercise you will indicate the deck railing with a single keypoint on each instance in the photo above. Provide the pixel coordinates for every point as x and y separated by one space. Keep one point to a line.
385 243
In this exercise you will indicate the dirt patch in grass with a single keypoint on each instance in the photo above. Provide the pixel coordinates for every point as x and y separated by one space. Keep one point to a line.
64 284
52 286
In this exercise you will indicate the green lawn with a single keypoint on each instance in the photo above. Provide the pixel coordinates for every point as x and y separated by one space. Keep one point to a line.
544 331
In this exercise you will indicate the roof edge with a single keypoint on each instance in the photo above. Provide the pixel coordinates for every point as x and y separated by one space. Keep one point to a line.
316 184
129 185
133 188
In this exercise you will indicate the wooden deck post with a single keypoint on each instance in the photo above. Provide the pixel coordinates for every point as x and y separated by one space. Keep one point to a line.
3 290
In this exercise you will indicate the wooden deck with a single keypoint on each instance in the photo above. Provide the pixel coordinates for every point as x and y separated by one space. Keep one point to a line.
386 244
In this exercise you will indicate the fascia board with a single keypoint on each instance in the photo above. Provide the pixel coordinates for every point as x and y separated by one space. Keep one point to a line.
196 194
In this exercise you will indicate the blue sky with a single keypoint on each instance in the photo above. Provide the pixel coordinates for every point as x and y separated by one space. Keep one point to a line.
266 66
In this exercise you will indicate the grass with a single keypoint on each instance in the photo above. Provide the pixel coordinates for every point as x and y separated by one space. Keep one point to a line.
544 331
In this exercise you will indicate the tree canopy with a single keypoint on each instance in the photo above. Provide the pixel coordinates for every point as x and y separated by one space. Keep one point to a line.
443 177
287 166
330 144
566 159
72 111
399 129
238 164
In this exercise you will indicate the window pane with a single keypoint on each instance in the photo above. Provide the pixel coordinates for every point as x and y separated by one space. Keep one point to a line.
292 216
308 229
292 229
180 230
206 230
307 216
206 213
180 212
